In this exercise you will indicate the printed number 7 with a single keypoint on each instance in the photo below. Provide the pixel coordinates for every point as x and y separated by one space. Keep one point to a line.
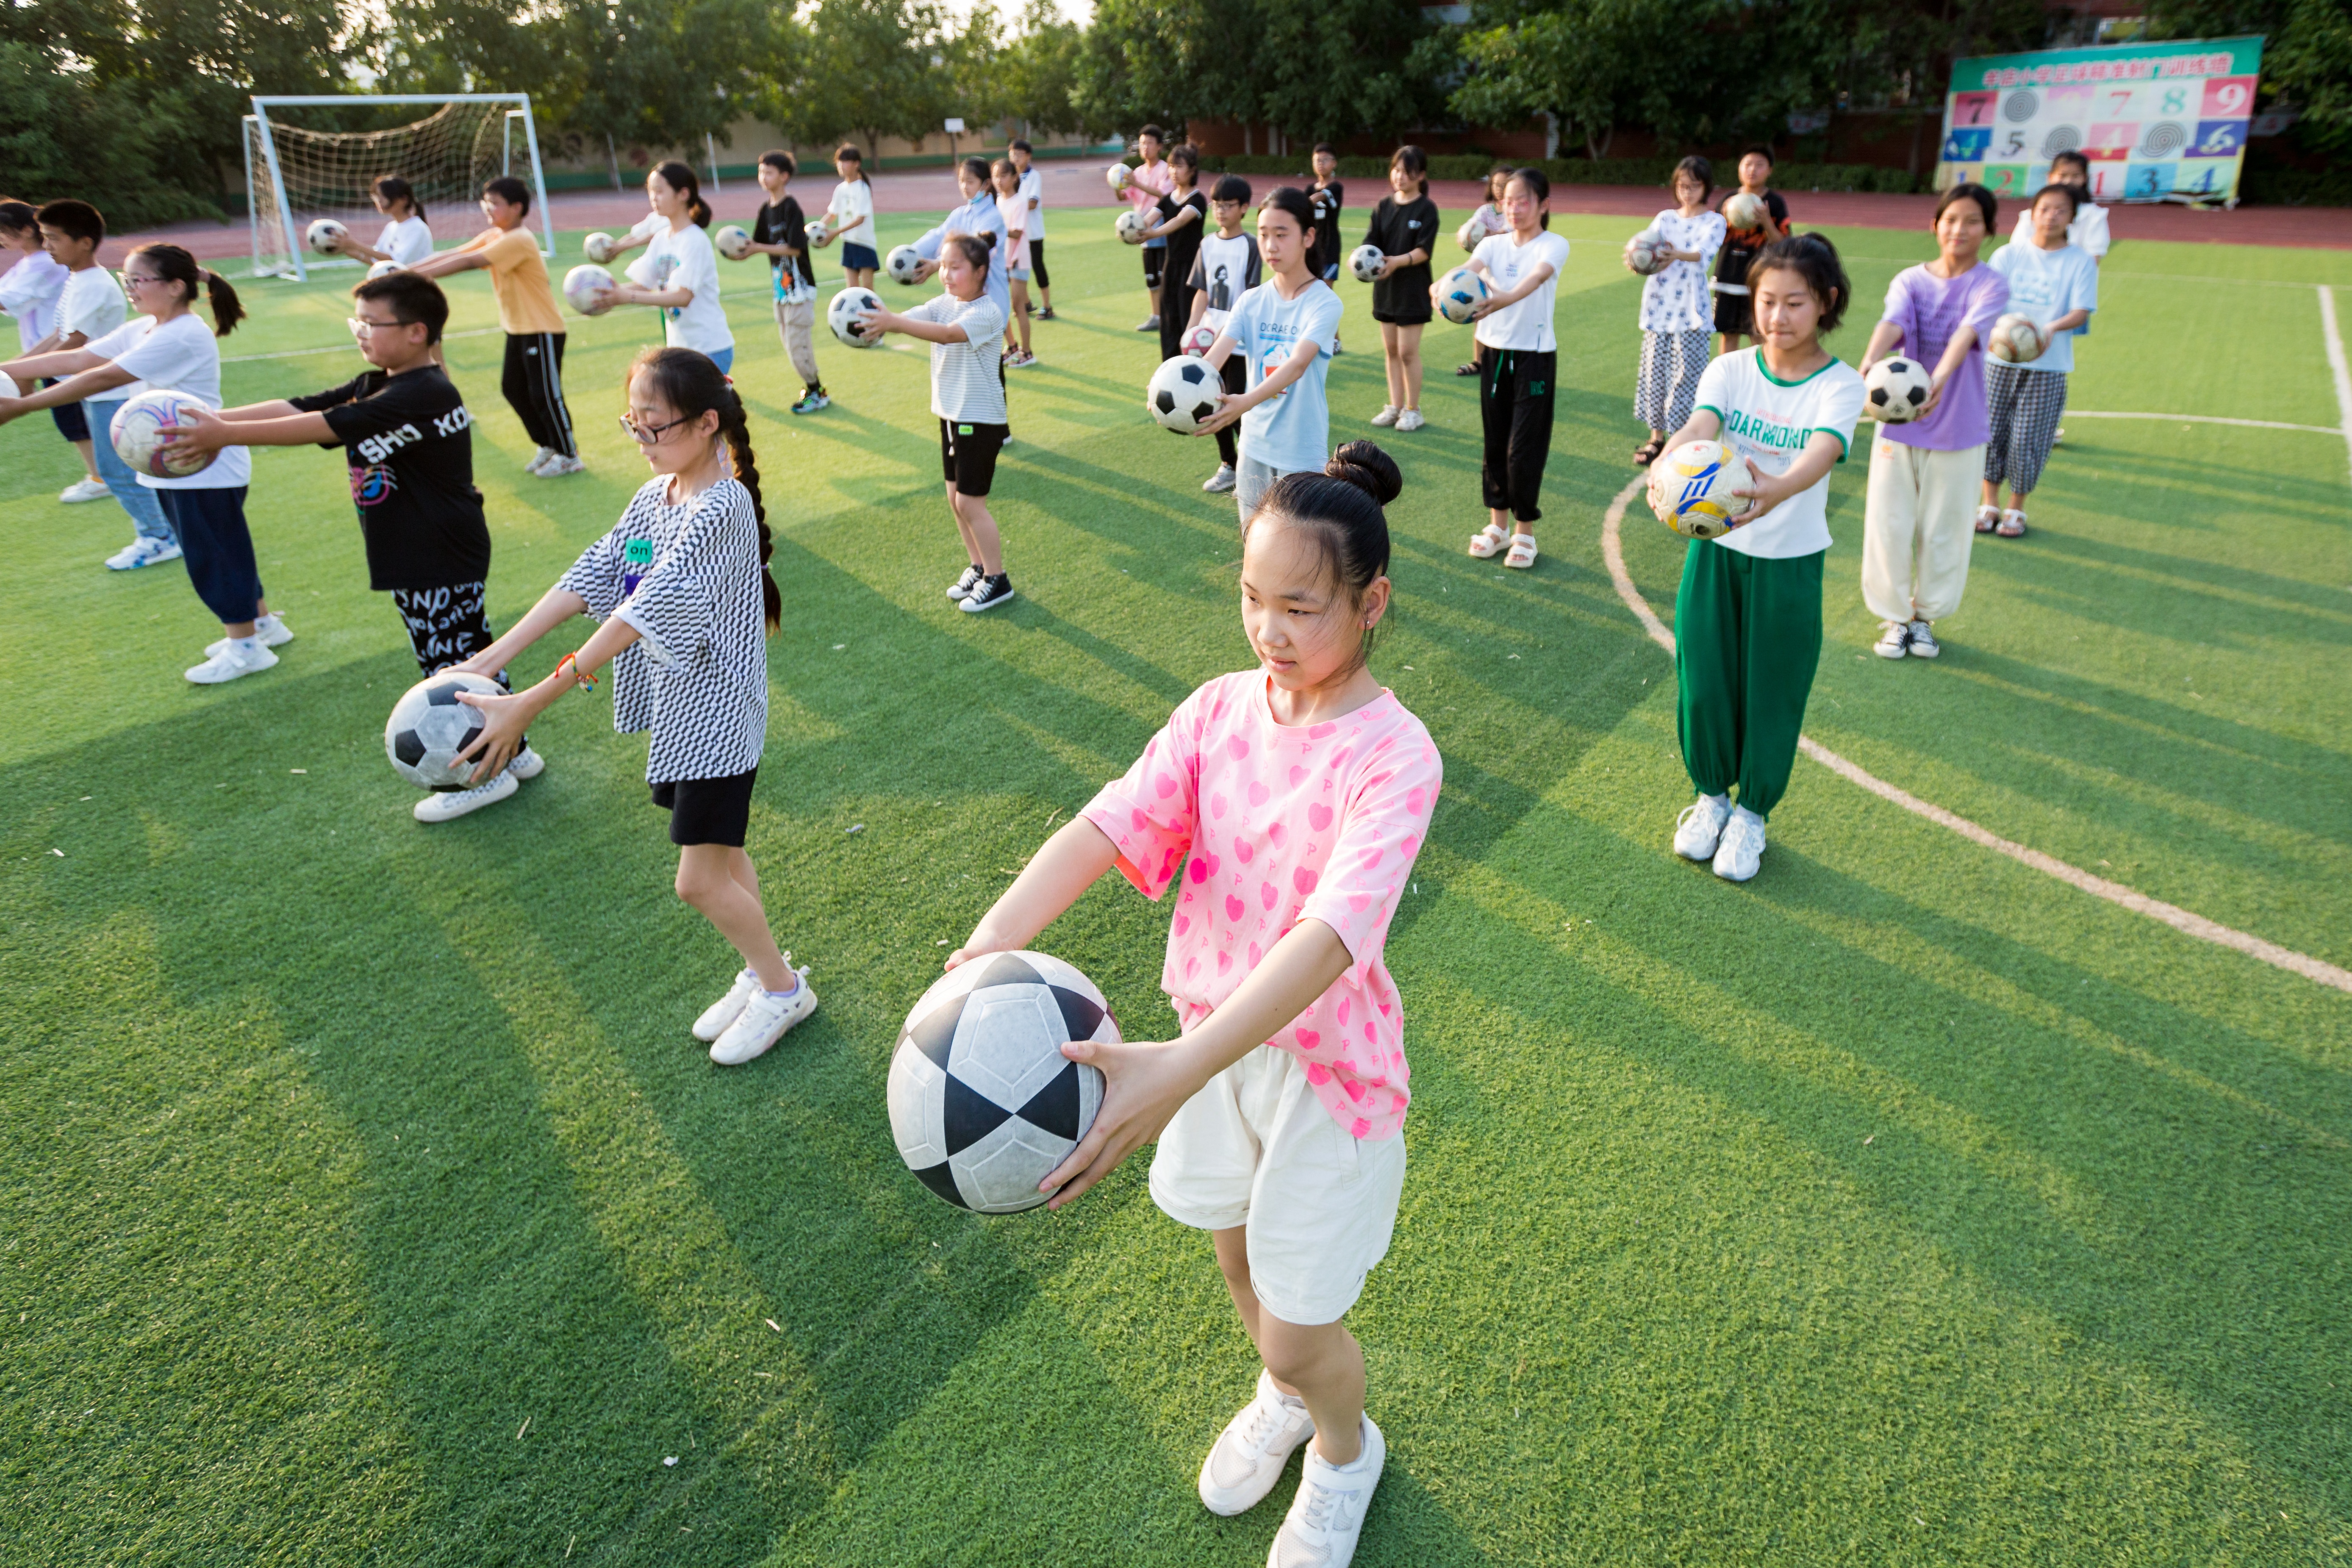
2122 97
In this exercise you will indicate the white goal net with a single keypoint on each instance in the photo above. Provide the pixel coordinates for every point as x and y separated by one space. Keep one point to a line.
296 173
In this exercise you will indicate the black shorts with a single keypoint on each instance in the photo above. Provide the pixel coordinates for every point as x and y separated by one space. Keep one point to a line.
71 422
1155 262
1732 315
707 811
967 454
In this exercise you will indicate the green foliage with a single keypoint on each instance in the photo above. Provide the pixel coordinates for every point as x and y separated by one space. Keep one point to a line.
63 134
1037 72
2307 58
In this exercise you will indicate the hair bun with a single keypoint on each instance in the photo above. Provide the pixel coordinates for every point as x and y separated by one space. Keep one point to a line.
1371 470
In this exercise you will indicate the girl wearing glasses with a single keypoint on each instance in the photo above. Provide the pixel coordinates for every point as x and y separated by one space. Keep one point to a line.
682 588
167 348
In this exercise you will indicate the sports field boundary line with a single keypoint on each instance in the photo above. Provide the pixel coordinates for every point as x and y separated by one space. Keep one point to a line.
2187 921
2205 419
2335 365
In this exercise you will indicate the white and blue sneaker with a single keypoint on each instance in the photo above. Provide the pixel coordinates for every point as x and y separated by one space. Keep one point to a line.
242 656
1249 1454
1327 1514
142 551
268 630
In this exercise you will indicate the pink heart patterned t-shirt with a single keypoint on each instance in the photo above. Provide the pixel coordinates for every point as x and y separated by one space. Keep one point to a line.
1269 825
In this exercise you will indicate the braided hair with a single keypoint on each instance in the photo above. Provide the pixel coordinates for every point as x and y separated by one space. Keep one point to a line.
691 382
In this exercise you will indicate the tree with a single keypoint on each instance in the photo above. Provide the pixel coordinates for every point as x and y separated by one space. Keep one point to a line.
2306 59
1038 70
874 69
1337 67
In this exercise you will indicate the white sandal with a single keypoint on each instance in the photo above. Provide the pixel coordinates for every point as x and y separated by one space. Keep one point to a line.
1488 541
1523 552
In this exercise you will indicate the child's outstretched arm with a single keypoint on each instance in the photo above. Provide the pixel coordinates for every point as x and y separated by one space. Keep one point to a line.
506 717
1073 860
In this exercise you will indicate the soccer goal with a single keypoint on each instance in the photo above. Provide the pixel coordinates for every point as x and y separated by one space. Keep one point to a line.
294 175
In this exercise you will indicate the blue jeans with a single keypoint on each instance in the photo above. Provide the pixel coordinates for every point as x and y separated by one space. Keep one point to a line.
146 513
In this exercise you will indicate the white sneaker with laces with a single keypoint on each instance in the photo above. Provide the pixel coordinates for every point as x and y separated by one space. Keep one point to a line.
1410 420
1742 849
1700 826
728 1008
1923 641
84 489
1249 1454
1327 1514
142 551
960 589
765 1018
268 630
238 658
448 805
987 594
556 467
1222 480
1894 641
1386 417
538 459
527 764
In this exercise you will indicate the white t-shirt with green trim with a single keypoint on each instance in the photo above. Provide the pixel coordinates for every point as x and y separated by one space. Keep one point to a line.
1770 420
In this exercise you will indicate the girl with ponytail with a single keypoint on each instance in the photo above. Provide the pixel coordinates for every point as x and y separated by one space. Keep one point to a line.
682 589
1283 807
681 269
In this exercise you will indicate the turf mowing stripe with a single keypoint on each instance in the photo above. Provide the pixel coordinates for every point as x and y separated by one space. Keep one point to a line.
2336 363
2186 921
2208 419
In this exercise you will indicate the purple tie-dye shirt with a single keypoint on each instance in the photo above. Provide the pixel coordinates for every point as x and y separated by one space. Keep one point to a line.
1929 310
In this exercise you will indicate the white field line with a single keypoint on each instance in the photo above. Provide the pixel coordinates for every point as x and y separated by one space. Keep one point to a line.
2183 921
2336 363
2205 419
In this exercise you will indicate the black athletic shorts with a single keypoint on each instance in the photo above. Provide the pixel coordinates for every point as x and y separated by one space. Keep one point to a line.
1732 314
1155 261
967 454
707 811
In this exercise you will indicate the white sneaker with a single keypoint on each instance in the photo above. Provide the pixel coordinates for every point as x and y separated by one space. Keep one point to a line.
556 467
1386 417
142 551
231 662
1222 480
1700 826
1410 419
268 630
84 489
538 459
1923 641
526 764
764 1021
1737 858
1327 1514
960 589
448 805
726 1009
1894 641
1249 1454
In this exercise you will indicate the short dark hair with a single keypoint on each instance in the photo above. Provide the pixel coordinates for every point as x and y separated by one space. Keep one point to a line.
1327 147
778 159
1154 131
1184 152
77 218
2059 188
1815 260
1019 144
411 298
1696 168
1757 150
2070 156
509 190
16 216
1341 509
1415 163
1969 191
1231 188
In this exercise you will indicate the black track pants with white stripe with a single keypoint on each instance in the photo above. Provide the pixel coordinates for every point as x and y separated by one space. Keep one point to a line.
534 384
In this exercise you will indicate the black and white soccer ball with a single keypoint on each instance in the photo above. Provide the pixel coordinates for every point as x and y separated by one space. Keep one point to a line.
984 1105
1894 390
843 316
1366 261
903 264
429 727
1182 392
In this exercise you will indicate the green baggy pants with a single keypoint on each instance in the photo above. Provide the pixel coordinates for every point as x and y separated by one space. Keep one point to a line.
1748 634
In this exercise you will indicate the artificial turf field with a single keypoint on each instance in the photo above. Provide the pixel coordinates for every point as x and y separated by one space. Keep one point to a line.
368 1202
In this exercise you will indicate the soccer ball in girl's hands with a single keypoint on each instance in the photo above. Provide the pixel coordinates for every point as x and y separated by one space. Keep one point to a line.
903 263
429 727
1120 176
2017 340
585 288
1197 340
597 247
1743 211
1366 261
1646 253
384 268
982 1103
815 230
1695 480
1133 224
1470 234
325 237
733 242
843 313
1460 292
1895 389
1182 392
138 435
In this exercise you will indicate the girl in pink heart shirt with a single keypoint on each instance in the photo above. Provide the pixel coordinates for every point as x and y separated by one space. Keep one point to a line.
1284 805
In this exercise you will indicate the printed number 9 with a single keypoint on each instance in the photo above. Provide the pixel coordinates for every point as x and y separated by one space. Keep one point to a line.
2175 100
2232 96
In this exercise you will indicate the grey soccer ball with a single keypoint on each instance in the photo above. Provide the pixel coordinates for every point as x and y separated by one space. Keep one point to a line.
429 727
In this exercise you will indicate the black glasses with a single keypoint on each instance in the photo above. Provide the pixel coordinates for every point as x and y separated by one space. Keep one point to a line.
648 435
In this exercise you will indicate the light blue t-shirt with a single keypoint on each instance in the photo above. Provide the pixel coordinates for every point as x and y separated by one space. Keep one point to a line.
1290 431
980 216
2046 285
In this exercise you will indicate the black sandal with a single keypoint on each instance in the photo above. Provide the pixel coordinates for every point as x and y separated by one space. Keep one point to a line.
1646 454
1466 369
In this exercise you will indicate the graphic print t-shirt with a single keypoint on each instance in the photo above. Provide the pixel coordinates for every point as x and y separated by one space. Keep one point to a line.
1770 420
1224 270
780 223
1291 430
1184 245
1326 201
409 443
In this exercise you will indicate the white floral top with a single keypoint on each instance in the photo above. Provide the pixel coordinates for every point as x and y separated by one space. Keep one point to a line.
1676 299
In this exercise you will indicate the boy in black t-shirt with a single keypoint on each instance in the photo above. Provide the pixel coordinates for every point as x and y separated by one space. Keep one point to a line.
1326 195
781 234
1733 317
408 439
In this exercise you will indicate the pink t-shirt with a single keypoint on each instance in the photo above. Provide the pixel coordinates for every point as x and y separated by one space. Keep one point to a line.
1149 183
1281 825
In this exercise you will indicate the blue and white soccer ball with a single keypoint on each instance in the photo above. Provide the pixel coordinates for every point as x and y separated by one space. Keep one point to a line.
982 1103
429 727
1696 479
1459 292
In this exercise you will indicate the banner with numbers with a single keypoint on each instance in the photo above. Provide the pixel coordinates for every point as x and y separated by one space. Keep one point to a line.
2157 121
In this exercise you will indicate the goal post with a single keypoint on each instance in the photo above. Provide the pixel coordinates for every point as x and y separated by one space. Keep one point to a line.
295 175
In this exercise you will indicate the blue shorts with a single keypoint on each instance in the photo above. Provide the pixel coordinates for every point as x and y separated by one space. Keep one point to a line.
856 258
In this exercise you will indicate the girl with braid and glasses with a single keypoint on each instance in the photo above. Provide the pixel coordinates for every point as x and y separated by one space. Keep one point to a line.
682 589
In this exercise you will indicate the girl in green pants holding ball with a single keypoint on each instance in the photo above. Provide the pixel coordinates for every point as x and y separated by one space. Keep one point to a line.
1748 618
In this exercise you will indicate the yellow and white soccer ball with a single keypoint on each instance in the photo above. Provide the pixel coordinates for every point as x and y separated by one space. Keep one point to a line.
1118 176
1695 480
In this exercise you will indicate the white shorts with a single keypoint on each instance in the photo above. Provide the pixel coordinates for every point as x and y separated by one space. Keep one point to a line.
1255 1147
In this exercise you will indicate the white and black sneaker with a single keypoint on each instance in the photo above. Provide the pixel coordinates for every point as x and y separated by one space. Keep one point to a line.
1219 482
987 593
1327 1514
960 589
1894 640
1249 1454
1923 641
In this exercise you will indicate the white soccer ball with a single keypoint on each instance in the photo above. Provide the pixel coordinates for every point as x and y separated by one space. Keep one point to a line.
326 237
815 230
903 262
2017 340
1697 477
733 242
8 387
384 268
597 247
1133 224
1895 389
138 435
982 1103
1182 392
1646 253
1470 235
429 727
1197 340
1459 292
1366 261
843 313
583 290
1741 210
1120 176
